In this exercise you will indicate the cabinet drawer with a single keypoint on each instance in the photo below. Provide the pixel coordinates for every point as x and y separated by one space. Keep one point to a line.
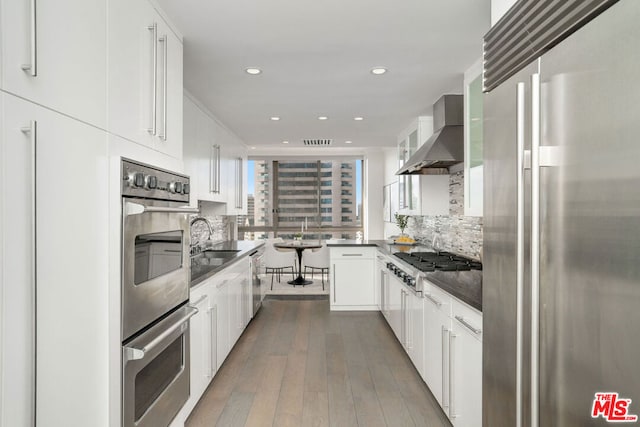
353 252
467 317
437 297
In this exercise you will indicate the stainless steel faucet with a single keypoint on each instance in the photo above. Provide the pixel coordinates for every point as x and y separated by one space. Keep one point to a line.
206 221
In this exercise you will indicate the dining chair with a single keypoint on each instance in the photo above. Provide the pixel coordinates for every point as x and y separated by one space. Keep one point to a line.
275 262
317 260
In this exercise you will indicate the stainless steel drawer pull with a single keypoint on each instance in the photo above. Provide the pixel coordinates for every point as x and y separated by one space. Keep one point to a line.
32 68
433 300
178 251
468 325
351 254
202 298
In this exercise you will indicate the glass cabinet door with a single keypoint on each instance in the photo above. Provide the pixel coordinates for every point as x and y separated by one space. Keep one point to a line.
473 169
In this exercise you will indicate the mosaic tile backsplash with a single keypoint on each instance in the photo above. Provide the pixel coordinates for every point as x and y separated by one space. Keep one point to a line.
458 233
219 224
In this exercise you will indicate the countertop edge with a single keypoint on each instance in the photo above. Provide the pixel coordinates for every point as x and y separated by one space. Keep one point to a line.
242 254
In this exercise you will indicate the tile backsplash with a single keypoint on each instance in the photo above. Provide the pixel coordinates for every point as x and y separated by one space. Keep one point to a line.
219 223
458 233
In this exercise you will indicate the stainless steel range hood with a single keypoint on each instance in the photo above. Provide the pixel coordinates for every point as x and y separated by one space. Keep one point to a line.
445 147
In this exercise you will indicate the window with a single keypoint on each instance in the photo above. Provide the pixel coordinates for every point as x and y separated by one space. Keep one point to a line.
292 193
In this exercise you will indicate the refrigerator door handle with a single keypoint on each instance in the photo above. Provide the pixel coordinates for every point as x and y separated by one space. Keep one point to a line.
535 247
520 136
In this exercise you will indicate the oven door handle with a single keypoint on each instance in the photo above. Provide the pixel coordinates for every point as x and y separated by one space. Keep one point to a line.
136 209
134 353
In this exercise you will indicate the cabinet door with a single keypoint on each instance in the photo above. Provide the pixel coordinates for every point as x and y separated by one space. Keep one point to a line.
395 305
202 154
65 149
437 325
169 92
200 342
133 69
415 331
465 377
67 56
353 282
222 330
145 77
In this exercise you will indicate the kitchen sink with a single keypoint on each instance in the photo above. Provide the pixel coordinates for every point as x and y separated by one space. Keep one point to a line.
213 257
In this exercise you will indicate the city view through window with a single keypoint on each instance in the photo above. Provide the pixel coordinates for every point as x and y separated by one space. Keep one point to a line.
319 199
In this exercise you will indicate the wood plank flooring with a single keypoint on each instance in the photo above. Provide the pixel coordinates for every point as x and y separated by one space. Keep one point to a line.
298 364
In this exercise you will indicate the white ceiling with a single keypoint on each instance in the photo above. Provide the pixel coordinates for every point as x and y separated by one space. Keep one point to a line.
316 57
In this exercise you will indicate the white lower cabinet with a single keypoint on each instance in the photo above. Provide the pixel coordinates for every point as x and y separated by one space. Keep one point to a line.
406 320
453 356
224 304
465 349
437 324
202 336
352 278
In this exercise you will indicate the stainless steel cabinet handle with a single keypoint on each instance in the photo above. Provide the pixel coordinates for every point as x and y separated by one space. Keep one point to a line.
334 283
32 131
214 185
202 298
520 132
452 410
213 311
352 254
134 353
239 183
32 68
535 244
173 251
218 171
445 359
165 62
468 325
154 78
433 300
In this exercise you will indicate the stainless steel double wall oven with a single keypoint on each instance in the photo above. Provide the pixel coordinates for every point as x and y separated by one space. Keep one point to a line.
155 291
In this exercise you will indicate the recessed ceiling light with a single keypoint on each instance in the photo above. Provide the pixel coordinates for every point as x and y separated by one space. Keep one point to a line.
323 118
253 71
378 70
348 142
253 148
275 118
285 142
358 119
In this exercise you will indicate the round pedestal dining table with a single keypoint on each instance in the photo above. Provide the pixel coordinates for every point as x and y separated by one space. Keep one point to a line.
299 247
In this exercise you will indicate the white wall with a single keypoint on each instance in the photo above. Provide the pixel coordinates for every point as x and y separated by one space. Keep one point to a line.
374 182
499 8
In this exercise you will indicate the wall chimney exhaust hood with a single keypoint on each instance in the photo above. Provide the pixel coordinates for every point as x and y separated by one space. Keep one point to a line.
445 147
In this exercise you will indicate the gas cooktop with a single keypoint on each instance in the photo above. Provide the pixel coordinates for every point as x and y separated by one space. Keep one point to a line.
438 261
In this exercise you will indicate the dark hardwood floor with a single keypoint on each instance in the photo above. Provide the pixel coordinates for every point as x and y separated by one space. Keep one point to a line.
298 364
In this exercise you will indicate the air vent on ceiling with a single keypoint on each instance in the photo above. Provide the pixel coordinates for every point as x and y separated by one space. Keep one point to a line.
317 142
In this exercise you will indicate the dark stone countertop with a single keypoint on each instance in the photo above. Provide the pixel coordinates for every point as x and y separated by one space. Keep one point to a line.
464 285
201 272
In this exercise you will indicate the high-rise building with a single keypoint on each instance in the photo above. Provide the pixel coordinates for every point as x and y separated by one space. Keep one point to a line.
315 193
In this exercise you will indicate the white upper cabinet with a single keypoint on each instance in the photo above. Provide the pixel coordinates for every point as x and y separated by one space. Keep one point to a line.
215 159
237 180
473 140
145 77
53 60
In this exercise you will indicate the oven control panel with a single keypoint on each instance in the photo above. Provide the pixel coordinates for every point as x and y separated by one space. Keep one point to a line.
148 182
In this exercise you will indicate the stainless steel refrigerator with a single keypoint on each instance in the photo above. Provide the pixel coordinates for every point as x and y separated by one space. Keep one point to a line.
561 268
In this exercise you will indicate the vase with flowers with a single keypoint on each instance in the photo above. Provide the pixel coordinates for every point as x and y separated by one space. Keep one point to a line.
402 221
